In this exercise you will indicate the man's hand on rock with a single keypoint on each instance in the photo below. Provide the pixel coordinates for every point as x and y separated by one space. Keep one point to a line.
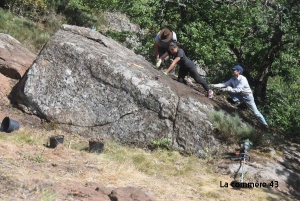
158 63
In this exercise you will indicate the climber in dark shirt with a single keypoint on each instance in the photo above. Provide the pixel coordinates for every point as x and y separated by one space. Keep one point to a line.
186 66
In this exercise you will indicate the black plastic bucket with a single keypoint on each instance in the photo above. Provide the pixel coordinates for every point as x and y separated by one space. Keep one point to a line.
55 140
96 146
8 125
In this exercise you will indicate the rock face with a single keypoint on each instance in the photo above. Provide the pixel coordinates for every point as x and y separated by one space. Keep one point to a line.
121 23
6 84
15 59
96 87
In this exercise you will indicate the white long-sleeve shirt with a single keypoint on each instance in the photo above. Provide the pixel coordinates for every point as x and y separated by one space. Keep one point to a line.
237 85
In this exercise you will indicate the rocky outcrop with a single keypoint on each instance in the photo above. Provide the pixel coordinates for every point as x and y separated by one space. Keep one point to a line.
121 23
6 84
118 22
96 87
15 59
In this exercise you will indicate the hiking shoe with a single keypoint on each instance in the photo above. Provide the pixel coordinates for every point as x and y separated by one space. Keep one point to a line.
237 103
229 100
189 82
210 93
234 103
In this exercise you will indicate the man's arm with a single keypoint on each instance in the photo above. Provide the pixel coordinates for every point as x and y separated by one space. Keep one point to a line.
221 85
156 46
156 53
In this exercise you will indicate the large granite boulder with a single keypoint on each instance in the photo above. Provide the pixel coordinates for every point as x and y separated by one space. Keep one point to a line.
88 82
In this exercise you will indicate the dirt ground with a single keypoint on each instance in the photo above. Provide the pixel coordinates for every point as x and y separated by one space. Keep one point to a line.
33 171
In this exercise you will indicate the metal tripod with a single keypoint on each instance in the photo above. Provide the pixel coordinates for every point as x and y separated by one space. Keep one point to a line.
244 158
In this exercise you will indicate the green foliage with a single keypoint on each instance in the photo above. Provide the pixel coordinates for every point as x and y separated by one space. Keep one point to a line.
283 106
38 159
77 12
31 9
74 10
24 31
163 143
231 129
118 36
22 137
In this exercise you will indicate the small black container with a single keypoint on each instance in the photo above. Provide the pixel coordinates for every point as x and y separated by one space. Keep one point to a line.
8 125
96 146
55 140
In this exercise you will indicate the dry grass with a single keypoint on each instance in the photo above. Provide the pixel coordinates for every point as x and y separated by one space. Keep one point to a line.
167 174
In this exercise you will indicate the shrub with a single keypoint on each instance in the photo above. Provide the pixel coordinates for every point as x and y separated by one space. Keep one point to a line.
164 143
31 9
23 30
231 129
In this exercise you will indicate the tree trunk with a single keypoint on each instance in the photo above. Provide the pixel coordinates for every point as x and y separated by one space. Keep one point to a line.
260 90
265 71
